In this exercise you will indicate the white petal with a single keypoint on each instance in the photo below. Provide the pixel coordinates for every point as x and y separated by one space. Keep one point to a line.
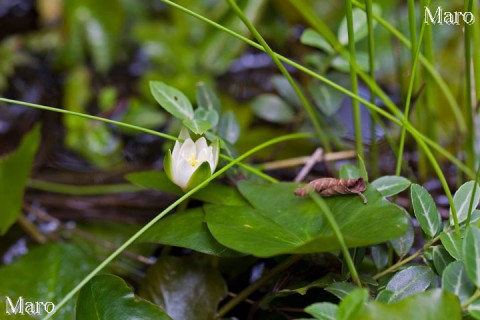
201 144
182 173
215 154
204 154
176 151
188 148
184 135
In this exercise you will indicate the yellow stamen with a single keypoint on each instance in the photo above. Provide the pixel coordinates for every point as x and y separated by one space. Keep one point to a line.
192 160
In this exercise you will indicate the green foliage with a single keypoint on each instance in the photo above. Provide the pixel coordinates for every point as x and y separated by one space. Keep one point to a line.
15 169
109 297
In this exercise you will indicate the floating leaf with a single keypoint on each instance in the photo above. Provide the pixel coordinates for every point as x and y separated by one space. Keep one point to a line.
471 254
453 244
108 297
14 171
172 100
47 273
461 200
271 108
349 171
431 305
186 229
390 185
228 127
455 280
280 222
207 99
184 288
411 280
322 310
425 210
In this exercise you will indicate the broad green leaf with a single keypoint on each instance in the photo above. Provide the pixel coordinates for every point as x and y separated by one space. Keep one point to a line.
322 310
197 126
456 281
281 222
349 171
184 288
411 280
359 25
207 99
390 185
341 289
271 108
312 38
172 100
14 171
441 258
403 244
474 309
380 256
431 305
212 193
471 254
362 168
228 127
425 210
385 296
453 244
47 273
461 200
352 304
210 116
327 99
186 229
108 297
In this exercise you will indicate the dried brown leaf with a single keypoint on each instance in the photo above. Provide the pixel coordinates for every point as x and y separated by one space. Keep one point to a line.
327 187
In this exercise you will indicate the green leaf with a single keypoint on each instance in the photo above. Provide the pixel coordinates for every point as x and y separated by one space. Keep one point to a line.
228 127
280 222
403 244
471 254
461 200
210 116
186 229
349 171
14 171
474 309
327 99
380 256
184 288
431 305
456 281
197 126
390 185
322 310
172 100
312 38
341 289
441 258
409 281
271 108
453 244
362 168
108 297
47 273
352 304
286 91
425 210
207 99
385 296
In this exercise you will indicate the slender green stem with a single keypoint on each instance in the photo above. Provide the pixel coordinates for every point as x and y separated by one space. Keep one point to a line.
357 120
132 239
338 234
308 107
251 169
257 284
87 116
409 94
470 139
476 53
371 64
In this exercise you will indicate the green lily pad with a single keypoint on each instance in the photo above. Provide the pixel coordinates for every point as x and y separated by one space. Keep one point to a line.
278 222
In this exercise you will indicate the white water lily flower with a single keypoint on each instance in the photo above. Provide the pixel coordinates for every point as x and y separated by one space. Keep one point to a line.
191 162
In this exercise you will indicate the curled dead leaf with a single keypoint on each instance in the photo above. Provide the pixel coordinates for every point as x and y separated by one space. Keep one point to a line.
327 187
